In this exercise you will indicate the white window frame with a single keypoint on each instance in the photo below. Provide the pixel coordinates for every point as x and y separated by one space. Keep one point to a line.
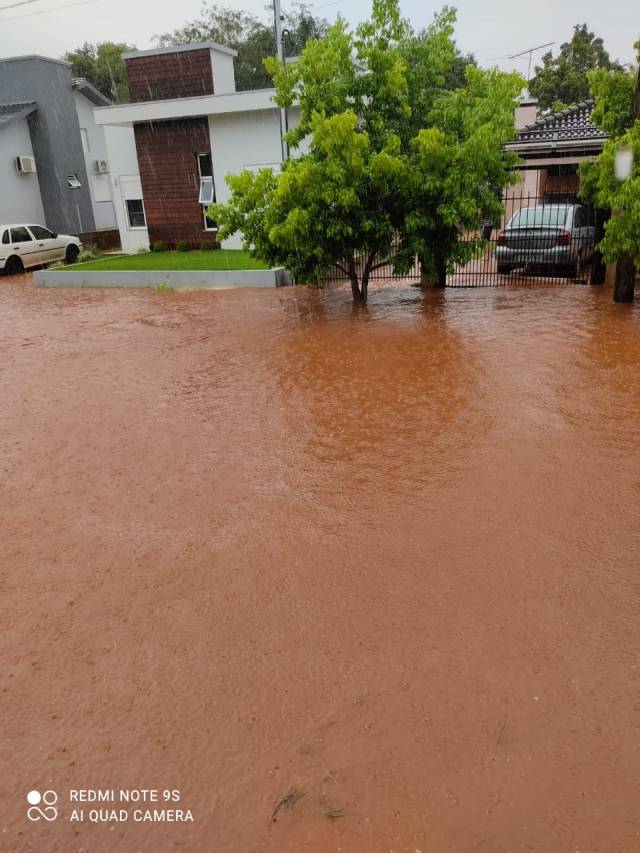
131 227
207 182
199 157
84 135
206 179
73 182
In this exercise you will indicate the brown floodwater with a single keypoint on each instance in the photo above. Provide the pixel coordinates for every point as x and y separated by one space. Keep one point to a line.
257 545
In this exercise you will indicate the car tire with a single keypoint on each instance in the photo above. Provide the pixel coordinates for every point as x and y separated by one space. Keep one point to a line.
71 255
504 269
13 266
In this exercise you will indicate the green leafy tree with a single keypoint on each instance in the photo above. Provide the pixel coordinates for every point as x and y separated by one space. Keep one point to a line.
253 39
622 231
300 27
617 112
387 173
613 93
562 80
338 201
460 169
456 75
434 63
103 66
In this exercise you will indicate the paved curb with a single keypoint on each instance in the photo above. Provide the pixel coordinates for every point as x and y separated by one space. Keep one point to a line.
277 277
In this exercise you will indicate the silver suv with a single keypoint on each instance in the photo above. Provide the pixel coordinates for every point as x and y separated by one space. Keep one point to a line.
550 236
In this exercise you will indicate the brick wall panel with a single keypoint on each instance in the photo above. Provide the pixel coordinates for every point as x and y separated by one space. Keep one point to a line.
184 74
170 181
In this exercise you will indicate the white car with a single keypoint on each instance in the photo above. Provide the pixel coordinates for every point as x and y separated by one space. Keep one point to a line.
24 246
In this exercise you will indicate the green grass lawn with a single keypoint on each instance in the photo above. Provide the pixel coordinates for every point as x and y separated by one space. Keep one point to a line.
221 259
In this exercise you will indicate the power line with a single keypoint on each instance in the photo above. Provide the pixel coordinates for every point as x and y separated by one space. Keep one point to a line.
44 11
21 3
326 5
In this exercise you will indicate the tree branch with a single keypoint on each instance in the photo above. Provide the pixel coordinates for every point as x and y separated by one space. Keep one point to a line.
381 264
370 260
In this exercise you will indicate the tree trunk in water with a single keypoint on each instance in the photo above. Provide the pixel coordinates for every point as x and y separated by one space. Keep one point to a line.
364 287
440 278
353 278
624 287
359 287
425 278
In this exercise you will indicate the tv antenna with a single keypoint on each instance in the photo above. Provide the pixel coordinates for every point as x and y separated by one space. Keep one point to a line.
530 51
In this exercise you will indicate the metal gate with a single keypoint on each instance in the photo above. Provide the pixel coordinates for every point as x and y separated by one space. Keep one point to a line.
540 240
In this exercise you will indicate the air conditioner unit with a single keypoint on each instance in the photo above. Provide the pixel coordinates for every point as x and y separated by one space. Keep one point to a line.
102 167
25 165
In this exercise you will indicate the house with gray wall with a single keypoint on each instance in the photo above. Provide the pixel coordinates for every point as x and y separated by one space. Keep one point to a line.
48 116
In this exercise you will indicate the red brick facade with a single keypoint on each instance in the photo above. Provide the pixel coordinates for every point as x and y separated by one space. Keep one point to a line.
183 74
170 180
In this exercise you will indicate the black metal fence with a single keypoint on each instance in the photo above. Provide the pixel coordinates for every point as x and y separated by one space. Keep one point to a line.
546 238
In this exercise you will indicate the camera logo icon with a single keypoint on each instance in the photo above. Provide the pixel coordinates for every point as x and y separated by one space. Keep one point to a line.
42 806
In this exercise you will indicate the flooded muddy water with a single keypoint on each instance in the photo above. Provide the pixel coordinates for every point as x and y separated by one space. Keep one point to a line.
359 581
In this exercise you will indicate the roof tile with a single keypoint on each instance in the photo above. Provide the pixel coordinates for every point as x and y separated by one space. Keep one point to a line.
572 123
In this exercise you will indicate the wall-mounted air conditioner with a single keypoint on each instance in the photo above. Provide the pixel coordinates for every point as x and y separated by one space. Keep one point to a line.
25 165
102 167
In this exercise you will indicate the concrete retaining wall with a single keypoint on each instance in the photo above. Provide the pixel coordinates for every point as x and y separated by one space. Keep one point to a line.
172 278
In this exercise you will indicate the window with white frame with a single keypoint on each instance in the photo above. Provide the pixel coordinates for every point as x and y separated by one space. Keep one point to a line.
207 194
135 213
205 166
206 191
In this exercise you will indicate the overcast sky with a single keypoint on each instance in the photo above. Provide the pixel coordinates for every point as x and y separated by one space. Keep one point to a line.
491 29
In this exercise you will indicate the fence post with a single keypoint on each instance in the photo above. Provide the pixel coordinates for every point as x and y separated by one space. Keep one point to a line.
598 266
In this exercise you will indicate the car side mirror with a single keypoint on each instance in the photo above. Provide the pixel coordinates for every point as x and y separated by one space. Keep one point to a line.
54 235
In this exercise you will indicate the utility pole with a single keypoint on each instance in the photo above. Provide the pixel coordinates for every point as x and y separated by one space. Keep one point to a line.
625 283
284 119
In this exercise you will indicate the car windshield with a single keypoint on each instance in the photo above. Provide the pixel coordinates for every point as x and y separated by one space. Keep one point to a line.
548 216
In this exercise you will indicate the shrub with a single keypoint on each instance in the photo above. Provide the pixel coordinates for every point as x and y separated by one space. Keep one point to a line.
183 246
159 246
59 265
89 254
207 246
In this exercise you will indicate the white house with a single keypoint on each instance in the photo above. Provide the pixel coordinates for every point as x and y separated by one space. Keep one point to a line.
185 130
